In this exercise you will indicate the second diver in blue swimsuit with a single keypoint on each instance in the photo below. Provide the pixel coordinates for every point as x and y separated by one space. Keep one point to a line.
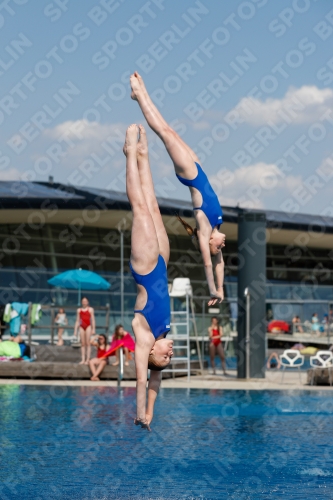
206 206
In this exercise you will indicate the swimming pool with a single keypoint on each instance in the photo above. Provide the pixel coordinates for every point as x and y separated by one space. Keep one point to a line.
80 443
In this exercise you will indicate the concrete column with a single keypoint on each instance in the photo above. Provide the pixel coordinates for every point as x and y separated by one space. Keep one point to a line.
252 275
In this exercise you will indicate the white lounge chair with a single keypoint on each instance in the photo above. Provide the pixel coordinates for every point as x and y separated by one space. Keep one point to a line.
291 359
323 359
181 287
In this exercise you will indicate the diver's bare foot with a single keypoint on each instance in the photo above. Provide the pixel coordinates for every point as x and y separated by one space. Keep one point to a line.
135 86
131 139
116 363
142 147
86 362
82 362
141 82
95 379
126 363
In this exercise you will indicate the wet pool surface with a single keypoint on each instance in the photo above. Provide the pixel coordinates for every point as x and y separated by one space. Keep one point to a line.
80 443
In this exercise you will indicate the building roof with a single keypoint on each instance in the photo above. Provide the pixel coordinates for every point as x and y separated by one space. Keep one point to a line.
30 195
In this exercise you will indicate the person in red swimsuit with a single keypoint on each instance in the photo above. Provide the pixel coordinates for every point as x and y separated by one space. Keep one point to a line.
98 364
216 347
85 324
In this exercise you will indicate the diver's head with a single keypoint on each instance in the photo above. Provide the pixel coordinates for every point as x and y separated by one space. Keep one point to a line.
216 242
160 354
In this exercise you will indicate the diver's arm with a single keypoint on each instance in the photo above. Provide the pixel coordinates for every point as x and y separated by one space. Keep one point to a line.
219 273
143 346
215 295
153 388
141 363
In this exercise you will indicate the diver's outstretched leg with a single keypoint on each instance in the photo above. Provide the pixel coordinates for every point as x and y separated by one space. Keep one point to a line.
182 156
144 243
147 187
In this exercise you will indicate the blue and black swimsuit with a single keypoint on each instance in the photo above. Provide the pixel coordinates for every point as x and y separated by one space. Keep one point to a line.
157 308
210 203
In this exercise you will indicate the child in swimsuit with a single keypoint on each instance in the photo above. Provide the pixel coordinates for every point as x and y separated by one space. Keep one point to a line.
85 324
61 322
206 206
216 347
150 252
98 364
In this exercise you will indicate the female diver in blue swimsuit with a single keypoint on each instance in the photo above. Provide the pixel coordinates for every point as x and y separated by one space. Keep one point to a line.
206 206
150 253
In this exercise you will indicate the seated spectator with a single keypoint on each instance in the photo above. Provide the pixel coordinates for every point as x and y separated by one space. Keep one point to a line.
61 322
273 362
298 347
98 364
296 321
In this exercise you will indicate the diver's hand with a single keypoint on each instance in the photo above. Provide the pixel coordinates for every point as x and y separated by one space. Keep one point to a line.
149 418
216 298
143 422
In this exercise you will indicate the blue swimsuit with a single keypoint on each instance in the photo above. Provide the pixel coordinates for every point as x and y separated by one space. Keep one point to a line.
157 309
210 204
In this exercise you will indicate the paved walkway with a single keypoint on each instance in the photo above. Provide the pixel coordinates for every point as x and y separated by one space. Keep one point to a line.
271 382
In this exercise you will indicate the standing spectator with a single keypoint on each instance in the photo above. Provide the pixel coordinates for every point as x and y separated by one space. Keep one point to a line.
325 324
216 347
61 322
85 324
315 324
98 364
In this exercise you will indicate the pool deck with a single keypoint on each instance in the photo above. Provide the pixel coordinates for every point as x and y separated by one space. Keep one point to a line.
272 381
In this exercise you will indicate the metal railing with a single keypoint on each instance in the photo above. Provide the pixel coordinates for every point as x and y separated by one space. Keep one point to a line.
53 327
120 366
247 331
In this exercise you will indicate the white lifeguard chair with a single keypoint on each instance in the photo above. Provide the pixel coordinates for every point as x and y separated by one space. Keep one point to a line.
180 325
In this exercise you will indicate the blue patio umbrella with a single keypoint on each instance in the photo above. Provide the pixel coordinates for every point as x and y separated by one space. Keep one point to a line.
79 279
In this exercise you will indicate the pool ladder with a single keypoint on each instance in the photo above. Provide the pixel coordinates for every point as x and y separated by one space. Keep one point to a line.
181 340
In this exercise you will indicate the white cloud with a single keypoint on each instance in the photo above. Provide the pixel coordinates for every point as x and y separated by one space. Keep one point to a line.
10 175
303 105
253 186
203 125
102 146
325 169
82 129
80 138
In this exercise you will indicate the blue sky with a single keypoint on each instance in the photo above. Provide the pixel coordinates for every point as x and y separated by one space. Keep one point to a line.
248 84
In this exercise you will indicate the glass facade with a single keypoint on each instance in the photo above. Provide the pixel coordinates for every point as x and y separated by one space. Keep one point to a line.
300 280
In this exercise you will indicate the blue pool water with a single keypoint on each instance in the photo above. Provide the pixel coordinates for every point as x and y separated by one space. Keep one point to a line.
80 443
